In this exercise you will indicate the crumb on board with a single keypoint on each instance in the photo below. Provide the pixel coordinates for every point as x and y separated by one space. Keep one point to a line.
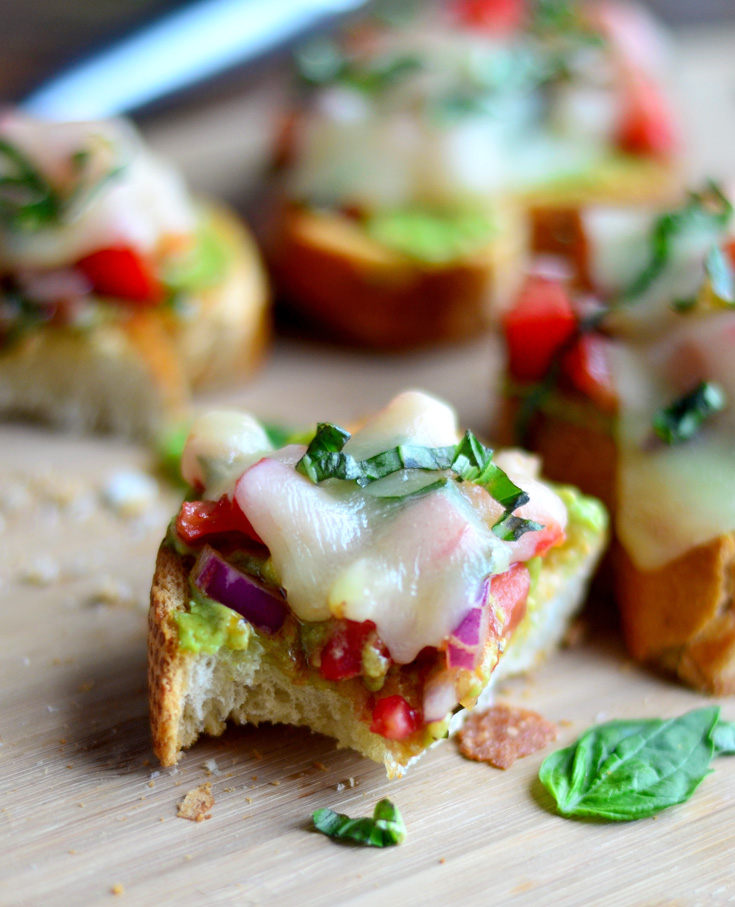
257 755
118 889
197 804
321 766
502 734
211 766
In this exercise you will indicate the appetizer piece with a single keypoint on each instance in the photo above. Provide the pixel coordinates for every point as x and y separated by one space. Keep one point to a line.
630 393
119 293
363 585
426 151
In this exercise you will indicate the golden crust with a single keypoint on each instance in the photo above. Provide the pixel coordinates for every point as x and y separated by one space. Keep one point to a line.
680 617
166 662
329 271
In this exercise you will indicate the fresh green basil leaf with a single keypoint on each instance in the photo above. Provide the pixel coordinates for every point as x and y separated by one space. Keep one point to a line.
384 829
719 271
723 738
470 461
27 199
711 206
682 419
627 770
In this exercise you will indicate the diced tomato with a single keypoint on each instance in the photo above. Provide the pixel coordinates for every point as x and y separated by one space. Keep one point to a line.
199 519
510 593
647 125
729 251
394 718
587 367
539 324
495 16
122 273
341 657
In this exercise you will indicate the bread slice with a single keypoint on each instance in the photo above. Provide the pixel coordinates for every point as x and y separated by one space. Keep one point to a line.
195 693
329 271
681 617
135 369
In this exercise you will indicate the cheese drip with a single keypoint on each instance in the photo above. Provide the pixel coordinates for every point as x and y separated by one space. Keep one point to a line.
674 498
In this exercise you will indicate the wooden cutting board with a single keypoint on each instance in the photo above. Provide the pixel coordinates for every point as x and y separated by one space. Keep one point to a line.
88 817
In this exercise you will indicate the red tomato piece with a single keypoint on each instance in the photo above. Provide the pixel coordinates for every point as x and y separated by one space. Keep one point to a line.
587 367
122 273
394 718
647 124
199 519
341 657
539 324
729 251
510 592
495 16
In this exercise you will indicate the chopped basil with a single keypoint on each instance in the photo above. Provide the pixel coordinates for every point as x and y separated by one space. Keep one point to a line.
682 419
27 199
627 770
385 829
469 460
322 61
710 206
719 271
29 202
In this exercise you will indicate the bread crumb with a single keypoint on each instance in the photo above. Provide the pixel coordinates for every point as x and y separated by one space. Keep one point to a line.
151 784
321 766
340 787
211 766
249 799
442 860
197 804
118 889
111 591
41 571
87 686
257 755
130 493
275 783
71 851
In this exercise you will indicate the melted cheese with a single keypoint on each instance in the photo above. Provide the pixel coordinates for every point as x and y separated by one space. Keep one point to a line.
673 498
136 207
413 566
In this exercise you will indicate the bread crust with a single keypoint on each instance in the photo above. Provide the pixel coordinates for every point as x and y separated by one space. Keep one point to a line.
136 369
330 272
680 617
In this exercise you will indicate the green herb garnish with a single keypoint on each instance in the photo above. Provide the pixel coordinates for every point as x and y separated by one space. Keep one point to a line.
27 200
322 61
385 829
627 770
707 208
469 460
682 419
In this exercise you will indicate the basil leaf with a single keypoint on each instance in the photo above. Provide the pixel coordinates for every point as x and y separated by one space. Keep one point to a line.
711 206
385 829
719 271
682 419
723 738
27 199
470 460
627 770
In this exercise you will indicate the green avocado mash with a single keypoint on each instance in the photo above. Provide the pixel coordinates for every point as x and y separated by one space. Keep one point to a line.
434 237
207 627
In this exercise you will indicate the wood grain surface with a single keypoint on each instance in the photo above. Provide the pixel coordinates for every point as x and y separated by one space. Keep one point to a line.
88 817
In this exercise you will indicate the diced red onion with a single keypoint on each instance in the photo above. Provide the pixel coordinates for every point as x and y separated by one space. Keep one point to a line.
440 697
229 586
464 644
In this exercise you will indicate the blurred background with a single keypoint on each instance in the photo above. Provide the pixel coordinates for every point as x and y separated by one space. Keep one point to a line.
201 126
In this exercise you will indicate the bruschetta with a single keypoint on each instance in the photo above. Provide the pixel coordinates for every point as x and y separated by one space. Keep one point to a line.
368 585
627 388
119 292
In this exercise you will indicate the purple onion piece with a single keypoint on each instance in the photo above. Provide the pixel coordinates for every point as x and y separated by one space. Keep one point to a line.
464 644
229 586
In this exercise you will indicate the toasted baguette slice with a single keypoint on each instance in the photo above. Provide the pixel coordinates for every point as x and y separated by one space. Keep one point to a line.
135 369
329 271
191 694
681 617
